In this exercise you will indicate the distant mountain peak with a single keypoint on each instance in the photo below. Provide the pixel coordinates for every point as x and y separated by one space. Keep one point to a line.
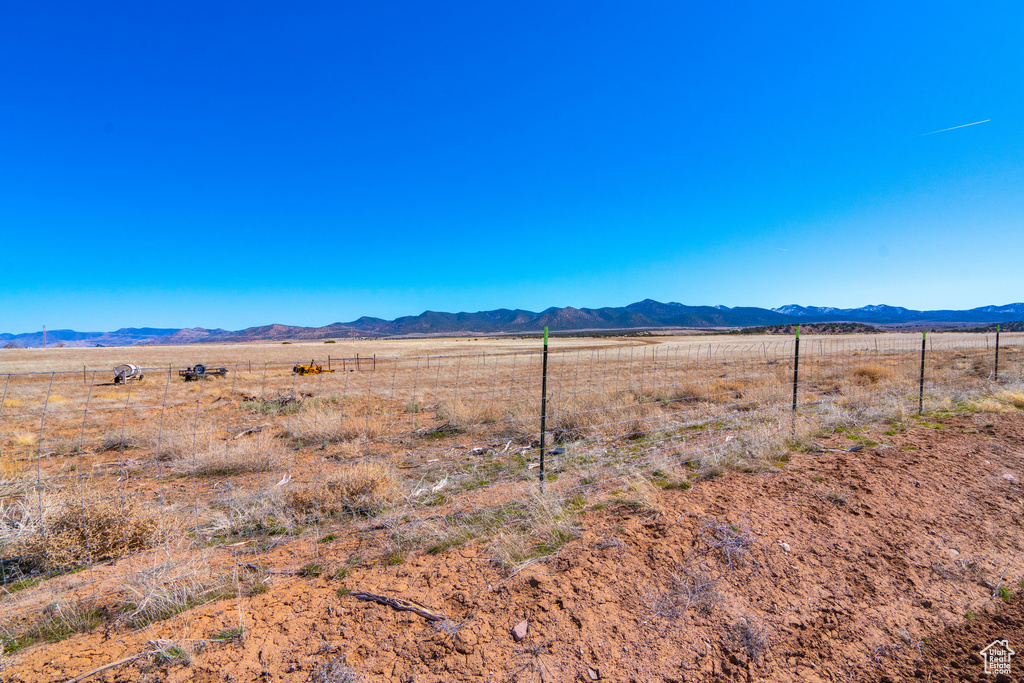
797 309
645 314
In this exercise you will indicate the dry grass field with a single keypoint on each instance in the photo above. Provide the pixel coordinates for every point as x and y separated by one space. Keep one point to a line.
104 358
126 505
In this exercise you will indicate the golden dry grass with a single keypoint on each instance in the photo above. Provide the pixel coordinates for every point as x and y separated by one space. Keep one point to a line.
576 419
332 425
254 355
1004 401
684 392
601 416
726 391
12 465
1013 398
73 533
991 405
870 374
360 488
464 415
641 493
225 458
21 439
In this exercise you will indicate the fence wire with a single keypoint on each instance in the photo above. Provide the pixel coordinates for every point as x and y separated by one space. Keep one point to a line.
145 496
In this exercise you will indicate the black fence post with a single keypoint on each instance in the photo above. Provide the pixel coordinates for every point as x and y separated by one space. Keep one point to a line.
920 394
543 407
997 353
796 376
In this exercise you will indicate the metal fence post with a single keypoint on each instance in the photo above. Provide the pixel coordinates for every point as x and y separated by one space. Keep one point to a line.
543 407
796 376
920 394
997 353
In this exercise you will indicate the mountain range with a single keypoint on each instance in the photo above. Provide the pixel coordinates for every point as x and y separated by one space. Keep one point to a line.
646 314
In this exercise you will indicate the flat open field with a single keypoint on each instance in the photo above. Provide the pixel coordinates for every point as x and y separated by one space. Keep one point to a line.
104 358
208 526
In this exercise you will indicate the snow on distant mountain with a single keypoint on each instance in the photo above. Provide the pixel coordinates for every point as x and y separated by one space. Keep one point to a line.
874 309
1010 309
796 309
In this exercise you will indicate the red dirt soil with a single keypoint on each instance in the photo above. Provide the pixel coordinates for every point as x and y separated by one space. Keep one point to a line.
845 566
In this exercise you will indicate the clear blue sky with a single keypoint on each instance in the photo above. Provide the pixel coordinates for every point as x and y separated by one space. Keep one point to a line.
234 164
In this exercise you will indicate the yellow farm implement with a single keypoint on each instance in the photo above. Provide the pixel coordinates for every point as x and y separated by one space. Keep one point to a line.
313 368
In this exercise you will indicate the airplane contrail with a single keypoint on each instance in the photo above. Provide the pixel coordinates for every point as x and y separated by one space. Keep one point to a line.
955 127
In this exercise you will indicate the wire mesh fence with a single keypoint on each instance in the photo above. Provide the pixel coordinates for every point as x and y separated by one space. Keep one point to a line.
150 496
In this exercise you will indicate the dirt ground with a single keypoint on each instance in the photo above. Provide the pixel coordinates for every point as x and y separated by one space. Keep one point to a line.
883 564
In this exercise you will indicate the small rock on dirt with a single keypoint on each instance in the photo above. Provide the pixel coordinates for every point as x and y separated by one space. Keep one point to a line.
594 676
520 629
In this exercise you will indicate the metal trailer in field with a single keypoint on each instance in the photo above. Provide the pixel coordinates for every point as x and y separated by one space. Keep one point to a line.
126 373
198 372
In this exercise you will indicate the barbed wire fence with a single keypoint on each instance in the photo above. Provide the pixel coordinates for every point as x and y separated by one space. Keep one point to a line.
152 496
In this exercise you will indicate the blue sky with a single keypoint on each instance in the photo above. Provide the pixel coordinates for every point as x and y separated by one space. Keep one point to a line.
236 164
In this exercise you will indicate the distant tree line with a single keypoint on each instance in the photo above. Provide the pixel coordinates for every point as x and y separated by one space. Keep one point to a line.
811 328
1009 326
